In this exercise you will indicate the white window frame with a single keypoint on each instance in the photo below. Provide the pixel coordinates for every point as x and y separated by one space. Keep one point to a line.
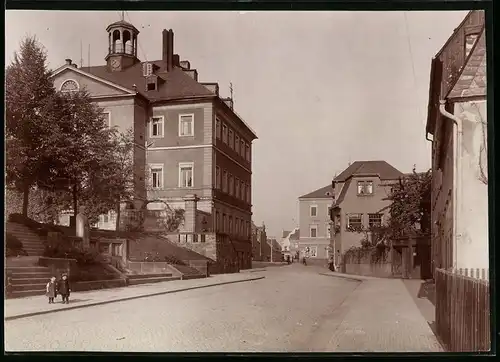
363 186
315 253
231 142
315 207
237 191
375 213
152 167
218 130
229 179
162 122
249 194
109 117
218 178
185 165
313 227
225 181
348 219
225 133
237 143
67 81
192 124
247 150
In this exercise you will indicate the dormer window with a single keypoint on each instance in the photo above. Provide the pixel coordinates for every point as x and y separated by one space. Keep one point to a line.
70 86
152 83
365 188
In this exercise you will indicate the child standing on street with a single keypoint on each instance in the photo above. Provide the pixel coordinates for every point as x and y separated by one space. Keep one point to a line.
52 289
64 289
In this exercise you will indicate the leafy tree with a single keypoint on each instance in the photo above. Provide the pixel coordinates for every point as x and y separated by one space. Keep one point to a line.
29 108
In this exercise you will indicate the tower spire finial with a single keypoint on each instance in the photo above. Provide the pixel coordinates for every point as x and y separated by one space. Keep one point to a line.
123 15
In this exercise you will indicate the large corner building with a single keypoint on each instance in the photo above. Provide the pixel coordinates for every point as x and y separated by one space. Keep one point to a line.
190 143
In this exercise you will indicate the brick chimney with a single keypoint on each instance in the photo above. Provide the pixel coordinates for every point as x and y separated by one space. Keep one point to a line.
168 48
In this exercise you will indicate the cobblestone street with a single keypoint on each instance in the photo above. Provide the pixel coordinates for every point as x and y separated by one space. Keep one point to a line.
294 309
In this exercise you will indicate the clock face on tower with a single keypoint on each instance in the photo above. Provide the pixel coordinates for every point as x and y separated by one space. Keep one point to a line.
115 64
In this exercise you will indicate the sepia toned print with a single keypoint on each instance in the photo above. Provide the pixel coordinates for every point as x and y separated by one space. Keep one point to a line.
260 182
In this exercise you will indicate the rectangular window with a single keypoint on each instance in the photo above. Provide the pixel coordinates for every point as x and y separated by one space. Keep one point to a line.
249 195
231 185
237 188
156 176
237 226
230 225
224 133
106 118
354 221
218 131
374 220
313 251
231 139
313 211
186 174
365 188
217 178
224 223
217 221
243 192
237 144
313 231
157 126
248 229
105 218
186 125
248 151
224 181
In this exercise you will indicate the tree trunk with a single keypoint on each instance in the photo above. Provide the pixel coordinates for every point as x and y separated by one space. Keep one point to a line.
118 214
26 194
75 200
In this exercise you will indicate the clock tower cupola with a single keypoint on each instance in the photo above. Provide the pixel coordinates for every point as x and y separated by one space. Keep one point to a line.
122 51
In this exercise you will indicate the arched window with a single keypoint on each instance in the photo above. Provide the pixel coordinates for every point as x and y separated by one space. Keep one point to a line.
70 86
117 43
127 42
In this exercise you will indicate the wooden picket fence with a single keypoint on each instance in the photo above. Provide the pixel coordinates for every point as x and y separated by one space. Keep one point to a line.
463 309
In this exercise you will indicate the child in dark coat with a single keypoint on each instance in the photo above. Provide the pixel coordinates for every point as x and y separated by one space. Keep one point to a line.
64 289
52 289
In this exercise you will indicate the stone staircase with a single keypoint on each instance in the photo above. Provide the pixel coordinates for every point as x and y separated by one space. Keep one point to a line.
25 281
33 244
188 272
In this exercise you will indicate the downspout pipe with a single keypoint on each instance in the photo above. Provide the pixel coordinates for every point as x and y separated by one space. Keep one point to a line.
457 173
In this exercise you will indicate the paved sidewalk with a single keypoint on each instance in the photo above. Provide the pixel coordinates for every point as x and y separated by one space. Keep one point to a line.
381 316
29 306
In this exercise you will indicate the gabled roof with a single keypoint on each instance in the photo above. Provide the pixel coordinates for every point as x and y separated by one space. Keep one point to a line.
439 74
343 192
369 168
322 193
175 84
472 78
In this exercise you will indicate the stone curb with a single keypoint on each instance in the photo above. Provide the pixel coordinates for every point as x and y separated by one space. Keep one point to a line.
26 315
253 270
344 276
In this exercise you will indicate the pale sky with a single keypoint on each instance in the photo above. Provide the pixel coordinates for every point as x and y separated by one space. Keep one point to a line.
321 89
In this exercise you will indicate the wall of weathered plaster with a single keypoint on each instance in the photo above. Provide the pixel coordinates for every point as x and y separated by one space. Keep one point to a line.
472 244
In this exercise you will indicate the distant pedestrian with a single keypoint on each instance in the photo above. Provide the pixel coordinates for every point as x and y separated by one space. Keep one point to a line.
64 289
331 264
304 261
52 289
